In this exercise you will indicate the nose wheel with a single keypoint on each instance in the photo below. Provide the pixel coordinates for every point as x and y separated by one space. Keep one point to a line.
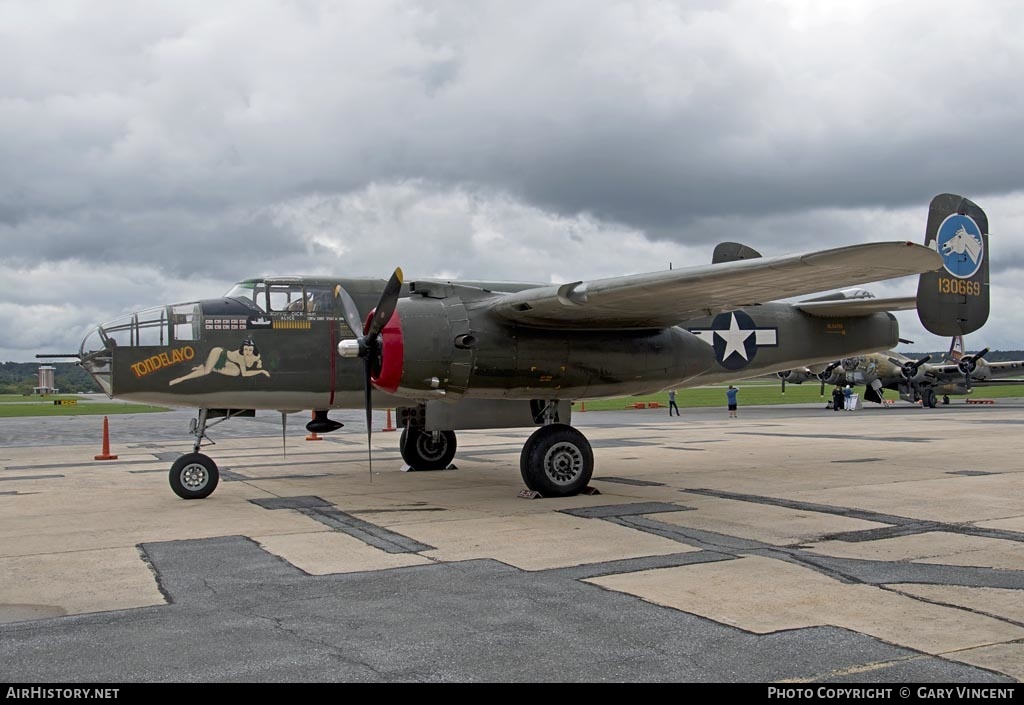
194 476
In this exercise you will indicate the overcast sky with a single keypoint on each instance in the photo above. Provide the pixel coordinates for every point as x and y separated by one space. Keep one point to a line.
156 152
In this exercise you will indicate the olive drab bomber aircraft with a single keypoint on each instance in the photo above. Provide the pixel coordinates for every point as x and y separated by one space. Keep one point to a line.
916 380
453 355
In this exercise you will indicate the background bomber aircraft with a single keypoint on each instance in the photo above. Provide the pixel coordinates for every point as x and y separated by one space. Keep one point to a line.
473 354
913 379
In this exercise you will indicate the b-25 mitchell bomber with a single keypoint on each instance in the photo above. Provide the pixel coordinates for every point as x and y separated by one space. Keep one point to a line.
452 355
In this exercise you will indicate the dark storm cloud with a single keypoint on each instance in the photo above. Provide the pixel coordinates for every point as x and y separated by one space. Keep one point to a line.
649 114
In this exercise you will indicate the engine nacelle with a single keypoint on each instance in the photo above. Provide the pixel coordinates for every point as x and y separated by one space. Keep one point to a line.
439 345
833 373
797 376
981 371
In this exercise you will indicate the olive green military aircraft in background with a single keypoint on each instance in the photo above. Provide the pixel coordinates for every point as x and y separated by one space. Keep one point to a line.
916 380
452 355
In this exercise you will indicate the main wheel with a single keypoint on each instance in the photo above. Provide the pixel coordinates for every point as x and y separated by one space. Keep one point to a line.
194 476
557 461
929 398
421 451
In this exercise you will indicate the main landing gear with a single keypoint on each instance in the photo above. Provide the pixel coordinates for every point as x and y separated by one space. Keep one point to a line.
928 398
427 450
557 461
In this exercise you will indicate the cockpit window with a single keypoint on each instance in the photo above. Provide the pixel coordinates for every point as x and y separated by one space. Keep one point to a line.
318 300
186 321
253 292
287 297
148 327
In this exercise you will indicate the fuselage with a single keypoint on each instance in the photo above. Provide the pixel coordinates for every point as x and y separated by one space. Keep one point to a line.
273 344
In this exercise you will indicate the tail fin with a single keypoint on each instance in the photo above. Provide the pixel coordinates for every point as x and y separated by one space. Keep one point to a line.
954 300
732 251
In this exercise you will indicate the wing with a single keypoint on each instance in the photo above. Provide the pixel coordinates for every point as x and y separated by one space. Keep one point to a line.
998 373
666 298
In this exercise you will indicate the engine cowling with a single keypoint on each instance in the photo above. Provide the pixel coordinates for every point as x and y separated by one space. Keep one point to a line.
797 376
440 345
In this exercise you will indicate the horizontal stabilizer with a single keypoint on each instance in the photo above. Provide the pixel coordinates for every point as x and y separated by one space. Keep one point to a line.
856 307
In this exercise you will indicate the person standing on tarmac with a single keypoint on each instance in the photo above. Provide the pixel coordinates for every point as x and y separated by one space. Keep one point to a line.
730 395
672 402
837 399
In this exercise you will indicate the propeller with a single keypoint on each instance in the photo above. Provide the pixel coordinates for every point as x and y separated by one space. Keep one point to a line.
369 346
783 375
968 364
825 374
910 368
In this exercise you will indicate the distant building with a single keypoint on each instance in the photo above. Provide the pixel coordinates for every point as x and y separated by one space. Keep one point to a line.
45 382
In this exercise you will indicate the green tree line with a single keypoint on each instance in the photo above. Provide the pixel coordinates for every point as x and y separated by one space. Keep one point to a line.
21 377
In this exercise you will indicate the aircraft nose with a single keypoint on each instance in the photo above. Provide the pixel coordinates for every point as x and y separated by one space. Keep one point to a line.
96 356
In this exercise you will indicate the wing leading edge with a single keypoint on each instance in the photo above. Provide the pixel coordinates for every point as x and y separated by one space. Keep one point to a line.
666 298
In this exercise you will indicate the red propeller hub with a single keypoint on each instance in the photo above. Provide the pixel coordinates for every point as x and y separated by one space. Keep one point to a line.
392 354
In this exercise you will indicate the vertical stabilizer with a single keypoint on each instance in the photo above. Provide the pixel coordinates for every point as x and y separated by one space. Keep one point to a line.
732 252
954 300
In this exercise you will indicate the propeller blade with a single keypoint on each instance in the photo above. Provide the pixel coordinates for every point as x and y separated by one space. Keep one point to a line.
822 391
386 306
350 310
980 354
368 392
783 385
369 343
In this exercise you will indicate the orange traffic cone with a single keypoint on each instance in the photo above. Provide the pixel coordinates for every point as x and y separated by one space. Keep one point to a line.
105 455
389 427
312 434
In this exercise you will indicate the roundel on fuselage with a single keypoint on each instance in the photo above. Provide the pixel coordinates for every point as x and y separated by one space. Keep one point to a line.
735 339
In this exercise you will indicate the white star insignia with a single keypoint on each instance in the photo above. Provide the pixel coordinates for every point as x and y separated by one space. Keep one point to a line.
734 339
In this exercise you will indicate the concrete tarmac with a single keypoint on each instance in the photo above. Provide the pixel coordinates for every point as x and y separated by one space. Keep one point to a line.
792 545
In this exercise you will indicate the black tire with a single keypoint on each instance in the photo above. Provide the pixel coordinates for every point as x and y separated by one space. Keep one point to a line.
557 461
194 476
421 452
929 398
